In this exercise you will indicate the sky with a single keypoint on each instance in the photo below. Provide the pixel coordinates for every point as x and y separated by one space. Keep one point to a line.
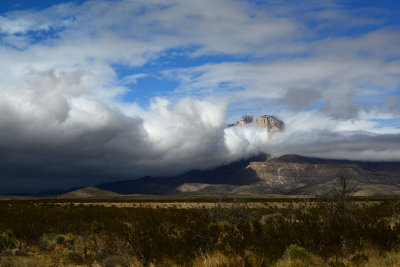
100 91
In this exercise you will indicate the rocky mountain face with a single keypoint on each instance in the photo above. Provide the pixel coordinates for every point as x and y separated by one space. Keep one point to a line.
290 174
246 119
269 122
265 121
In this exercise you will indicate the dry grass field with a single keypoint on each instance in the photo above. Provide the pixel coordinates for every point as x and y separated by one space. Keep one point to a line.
200 231
368 259
201 204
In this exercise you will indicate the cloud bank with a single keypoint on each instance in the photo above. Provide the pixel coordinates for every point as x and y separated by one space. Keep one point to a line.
66 72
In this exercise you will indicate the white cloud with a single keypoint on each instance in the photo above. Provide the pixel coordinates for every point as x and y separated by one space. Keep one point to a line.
338 80
59 108
133 78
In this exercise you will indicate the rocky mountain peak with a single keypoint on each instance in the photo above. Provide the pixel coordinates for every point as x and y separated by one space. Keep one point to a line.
246 119
269 122
265 121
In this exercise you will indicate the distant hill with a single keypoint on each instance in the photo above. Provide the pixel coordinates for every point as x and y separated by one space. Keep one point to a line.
289 174
89 192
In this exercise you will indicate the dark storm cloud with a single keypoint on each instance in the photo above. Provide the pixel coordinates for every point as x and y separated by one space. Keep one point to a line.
54 137
64 121
59 136
301 98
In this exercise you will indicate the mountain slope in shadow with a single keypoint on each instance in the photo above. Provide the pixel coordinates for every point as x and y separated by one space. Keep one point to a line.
235 174
288 174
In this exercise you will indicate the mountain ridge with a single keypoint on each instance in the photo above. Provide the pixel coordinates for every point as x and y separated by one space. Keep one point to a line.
262 174
288 174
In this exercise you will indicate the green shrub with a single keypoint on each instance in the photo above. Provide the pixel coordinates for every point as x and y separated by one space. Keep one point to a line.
60 239
97 227
295 252
70 240
8 240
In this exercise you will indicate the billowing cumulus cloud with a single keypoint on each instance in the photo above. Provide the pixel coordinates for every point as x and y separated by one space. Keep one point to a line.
83 95
54 126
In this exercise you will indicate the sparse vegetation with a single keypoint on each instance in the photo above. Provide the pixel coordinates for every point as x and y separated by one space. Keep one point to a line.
231 234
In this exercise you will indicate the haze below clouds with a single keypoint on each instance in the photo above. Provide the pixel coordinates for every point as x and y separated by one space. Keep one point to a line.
110 90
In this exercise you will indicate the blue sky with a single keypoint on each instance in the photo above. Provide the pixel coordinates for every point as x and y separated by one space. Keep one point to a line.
152 82
302 26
